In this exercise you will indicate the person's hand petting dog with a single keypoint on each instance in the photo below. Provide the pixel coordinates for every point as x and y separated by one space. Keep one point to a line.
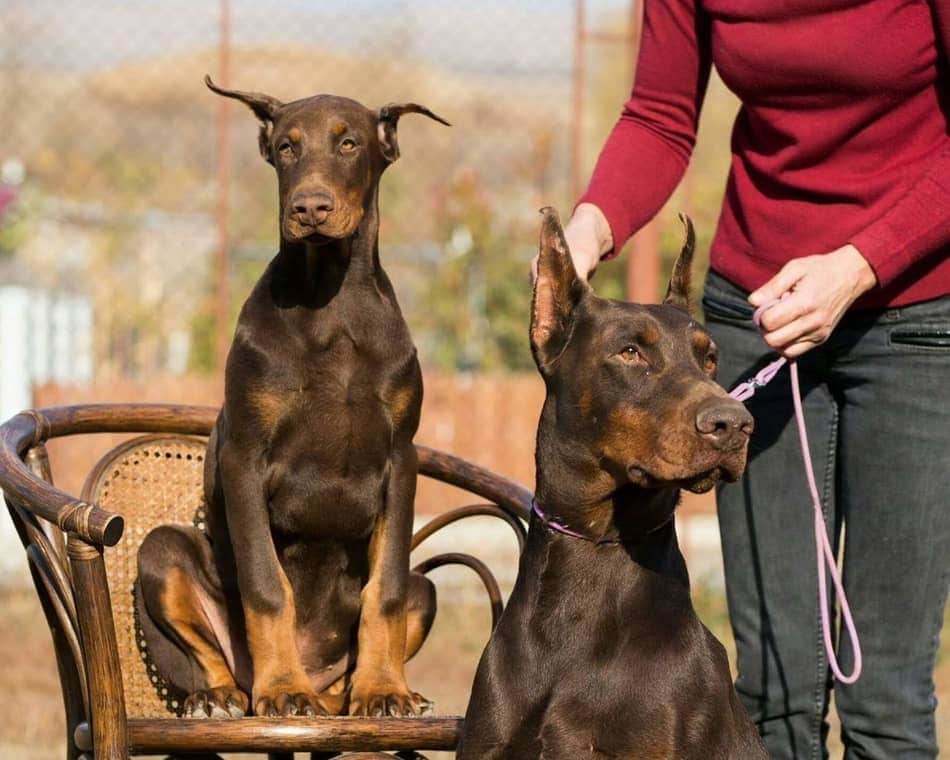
588 238
816 291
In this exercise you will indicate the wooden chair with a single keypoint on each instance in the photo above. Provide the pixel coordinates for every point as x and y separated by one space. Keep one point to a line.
82 557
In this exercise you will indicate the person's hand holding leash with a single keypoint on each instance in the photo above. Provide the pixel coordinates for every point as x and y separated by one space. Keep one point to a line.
819 290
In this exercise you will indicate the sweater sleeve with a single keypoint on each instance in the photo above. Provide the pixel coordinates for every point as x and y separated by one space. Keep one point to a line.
919 222
648 149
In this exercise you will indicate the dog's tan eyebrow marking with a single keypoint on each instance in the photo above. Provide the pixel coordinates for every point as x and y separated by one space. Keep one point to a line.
649 336
294 134
339 129
701 342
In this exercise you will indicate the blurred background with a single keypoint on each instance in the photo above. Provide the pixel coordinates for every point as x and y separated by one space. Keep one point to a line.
136 213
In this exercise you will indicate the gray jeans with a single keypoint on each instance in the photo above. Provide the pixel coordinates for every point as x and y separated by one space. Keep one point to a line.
877 403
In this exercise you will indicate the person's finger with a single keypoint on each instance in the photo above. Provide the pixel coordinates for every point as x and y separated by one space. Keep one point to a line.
811 326
775 288
800 347
786 311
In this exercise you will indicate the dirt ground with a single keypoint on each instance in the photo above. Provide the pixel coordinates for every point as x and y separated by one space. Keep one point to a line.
29 691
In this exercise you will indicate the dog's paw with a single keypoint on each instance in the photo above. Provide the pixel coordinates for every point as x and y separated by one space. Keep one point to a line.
391 701
221 702
285 704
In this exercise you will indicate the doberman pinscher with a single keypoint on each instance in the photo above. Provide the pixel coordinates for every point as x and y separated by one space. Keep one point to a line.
300 596
599 652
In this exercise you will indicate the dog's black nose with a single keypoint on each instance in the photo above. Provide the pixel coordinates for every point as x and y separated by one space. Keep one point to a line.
725 423
312 208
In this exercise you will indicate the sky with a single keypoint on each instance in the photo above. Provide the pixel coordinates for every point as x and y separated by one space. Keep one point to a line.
490 36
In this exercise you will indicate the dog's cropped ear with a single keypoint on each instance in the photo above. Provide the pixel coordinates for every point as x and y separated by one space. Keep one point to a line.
557 292
265 108
678 291
389 119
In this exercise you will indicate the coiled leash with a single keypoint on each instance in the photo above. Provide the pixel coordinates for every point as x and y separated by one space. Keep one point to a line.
825 555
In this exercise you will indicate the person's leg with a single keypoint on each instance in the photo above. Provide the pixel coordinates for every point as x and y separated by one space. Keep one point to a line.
894 495
768 537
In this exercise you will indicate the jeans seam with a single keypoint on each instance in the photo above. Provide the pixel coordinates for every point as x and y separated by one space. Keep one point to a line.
938 618
822 666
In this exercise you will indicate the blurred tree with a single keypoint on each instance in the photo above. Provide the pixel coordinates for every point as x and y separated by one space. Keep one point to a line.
468 300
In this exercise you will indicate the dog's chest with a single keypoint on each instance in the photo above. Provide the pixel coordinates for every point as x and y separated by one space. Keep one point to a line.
328 458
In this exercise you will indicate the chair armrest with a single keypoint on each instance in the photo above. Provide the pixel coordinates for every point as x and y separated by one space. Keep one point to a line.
17 436
510 496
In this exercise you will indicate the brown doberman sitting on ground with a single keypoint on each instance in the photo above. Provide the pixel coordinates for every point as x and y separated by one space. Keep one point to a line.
300 596
599 652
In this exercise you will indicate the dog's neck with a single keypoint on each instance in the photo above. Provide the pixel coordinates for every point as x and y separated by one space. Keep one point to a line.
310 274
630 538
574 489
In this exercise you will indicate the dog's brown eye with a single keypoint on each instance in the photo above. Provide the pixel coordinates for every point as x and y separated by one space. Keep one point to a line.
630 354
348 145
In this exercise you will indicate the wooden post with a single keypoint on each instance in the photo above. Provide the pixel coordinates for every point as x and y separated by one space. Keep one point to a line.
222 338
643 265
580 42
643 260
97 631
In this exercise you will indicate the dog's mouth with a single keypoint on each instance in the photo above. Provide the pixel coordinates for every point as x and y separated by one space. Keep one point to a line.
706 481
300 231
337 226
698 482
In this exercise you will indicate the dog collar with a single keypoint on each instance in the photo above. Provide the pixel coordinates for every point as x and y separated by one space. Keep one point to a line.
559 527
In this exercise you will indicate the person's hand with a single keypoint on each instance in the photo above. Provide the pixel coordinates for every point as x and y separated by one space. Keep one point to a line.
819 291
588 238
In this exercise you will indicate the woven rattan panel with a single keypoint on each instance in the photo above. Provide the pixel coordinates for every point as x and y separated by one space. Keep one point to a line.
152 480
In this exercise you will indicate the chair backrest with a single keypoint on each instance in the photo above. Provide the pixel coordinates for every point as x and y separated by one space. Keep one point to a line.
150 480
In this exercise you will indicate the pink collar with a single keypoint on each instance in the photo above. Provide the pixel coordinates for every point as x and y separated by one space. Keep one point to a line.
558 527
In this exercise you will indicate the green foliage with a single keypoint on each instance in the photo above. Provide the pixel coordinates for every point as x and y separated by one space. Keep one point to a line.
474 308
16 226
201 358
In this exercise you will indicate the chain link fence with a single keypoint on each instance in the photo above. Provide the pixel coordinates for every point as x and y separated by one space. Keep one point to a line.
110 146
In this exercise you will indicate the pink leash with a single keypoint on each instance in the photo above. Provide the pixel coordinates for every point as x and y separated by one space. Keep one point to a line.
825 555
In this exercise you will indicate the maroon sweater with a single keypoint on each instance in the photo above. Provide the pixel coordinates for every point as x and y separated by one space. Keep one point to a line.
842 136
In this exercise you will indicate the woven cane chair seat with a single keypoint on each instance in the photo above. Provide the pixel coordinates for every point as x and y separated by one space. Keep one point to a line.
151 480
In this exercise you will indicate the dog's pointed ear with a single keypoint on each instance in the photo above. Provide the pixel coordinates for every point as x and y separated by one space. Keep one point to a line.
678 293
557 292
265 108
388 119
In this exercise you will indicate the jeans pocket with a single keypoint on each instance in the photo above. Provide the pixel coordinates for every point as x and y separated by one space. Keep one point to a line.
926 337
722 308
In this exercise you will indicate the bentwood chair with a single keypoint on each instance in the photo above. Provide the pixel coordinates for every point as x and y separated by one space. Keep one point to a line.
82 556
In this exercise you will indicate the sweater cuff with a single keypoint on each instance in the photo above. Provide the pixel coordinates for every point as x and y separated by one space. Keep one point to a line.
883 250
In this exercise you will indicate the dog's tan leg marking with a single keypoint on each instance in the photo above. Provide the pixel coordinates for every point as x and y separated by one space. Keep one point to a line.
185 613
379 681
192 617
279 676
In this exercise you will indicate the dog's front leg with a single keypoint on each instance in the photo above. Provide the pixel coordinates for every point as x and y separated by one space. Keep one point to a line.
379 681
280 684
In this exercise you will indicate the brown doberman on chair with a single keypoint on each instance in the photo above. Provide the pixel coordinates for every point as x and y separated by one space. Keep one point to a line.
300 596
599 652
